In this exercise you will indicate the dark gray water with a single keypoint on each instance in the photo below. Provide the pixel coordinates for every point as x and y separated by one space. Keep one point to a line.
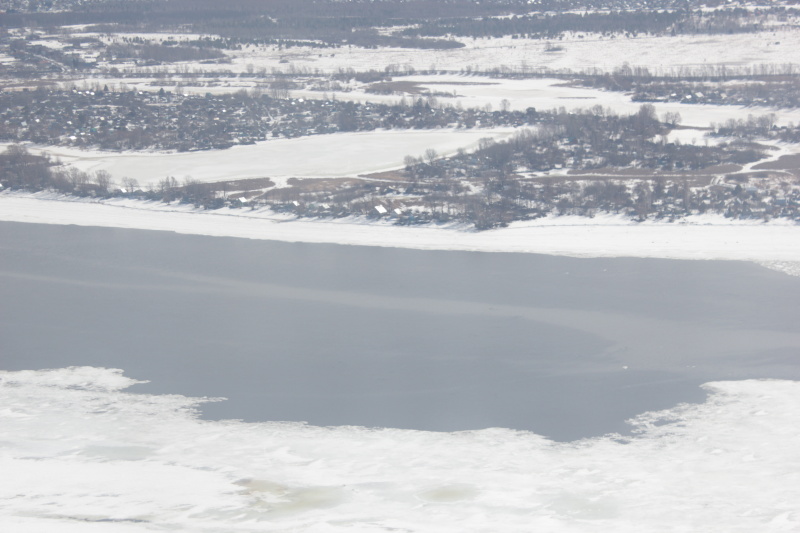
339 335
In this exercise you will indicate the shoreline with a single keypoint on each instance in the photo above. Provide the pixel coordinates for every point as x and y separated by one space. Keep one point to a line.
775 244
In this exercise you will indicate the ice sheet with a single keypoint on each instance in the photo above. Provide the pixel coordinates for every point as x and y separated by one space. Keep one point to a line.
78 453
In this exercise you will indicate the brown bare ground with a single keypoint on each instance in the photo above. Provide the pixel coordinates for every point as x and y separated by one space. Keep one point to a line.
320 184
763 174
621 173
767 174
786 162
408 87
698 178
250 184
412 87
461 83
389 175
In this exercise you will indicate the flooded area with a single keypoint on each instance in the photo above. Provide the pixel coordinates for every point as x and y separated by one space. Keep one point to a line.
431 340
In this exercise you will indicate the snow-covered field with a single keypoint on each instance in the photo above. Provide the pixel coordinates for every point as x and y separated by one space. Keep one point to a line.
579 52
573 51
546 94
317 156
80 454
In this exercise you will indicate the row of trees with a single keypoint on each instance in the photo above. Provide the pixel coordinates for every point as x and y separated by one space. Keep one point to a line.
22 170
630 22
19 169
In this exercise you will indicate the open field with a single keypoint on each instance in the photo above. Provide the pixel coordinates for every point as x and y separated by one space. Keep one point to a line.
579 52
318 156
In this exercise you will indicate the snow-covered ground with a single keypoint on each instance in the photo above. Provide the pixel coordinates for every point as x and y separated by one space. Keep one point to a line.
579 52
470 91
546 94
775 244
353 154
573 51
79 454
316 156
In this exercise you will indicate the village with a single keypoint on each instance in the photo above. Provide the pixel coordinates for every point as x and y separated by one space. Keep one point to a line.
96 117
131 87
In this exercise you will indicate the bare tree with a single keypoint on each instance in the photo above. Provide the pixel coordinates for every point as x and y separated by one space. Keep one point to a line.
103 180
410 161
77 180
672 118
129 185
431 155
279 89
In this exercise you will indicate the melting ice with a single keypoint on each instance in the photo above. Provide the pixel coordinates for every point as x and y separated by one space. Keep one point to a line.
77 453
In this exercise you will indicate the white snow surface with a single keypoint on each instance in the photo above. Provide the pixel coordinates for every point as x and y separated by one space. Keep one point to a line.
546 93
775 244
587 51
316 156
79 454
543 94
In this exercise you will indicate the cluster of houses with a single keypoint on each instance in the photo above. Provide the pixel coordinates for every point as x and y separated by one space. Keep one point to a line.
783 93
136 120
485 204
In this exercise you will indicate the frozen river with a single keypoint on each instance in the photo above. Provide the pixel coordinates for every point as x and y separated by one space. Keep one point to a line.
346 335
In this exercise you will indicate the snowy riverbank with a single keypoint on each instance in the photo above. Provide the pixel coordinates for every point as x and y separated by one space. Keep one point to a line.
776 243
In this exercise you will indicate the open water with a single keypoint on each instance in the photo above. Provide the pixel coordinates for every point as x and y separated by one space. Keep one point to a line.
344 335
